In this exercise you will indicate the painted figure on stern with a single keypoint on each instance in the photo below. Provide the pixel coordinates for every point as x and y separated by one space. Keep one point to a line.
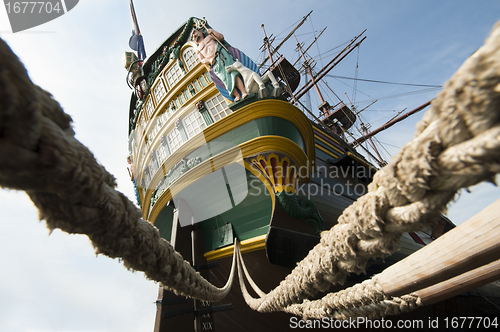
212 52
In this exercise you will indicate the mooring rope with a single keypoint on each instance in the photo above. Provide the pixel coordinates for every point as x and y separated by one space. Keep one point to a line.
243 269
365 299
362 300
73 192
457 145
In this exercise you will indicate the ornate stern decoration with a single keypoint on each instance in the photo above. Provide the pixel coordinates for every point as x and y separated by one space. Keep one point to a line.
283 176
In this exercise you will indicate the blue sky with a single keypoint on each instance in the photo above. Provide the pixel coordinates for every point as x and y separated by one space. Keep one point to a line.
56 283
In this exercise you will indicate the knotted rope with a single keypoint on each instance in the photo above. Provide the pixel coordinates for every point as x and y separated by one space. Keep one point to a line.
73 192
457 145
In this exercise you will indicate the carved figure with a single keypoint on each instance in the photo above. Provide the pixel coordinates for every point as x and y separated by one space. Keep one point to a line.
212 52
253 82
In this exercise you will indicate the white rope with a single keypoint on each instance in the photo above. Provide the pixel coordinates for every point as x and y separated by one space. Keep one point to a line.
241 265
366 299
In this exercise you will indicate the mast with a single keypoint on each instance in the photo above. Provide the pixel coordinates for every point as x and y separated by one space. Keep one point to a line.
267 44
307 49
380 160
334 62
389 124
307 67
266 40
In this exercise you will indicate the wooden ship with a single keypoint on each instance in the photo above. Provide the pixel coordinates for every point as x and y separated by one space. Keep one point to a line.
210 166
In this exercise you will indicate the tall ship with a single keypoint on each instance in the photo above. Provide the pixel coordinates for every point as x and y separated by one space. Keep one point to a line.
221 149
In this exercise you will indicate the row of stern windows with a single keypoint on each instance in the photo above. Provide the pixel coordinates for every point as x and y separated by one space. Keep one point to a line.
169 78
203 115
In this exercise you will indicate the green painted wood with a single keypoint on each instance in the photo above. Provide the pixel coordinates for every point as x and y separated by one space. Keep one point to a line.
249 218
164 222
262 127
250 130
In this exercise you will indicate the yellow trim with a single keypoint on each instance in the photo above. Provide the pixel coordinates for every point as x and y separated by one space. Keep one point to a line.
260 109
187 44
282 179
271 143
326 151
250 148
251 168
321 132
253 244
329 144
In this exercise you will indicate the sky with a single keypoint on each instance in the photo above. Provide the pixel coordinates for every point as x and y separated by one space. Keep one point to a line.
56 283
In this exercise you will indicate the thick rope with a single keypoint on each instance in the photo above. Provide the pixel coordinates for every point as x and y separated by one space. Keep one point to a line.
457 145
65 182
362 300
242 266
365 299
39 154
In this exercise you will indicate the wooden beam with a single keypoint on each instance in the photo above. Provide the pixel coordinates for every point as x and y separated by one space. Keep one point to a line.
461 284
470 245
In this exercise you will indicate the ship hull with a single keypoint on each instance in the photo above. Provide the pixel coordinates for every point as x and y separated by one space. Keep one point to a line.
207 171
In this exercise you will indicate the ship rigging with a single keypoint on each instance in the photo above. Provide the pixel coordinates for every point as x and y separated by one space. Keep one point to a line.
341 117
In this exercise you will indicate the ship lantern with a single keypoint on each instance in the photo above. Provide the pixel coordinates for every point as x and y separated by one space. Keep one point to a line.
128 59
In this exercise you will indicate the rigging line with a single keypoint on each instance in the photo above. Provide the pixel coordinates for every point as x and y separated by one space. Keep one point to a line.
409 93
288 28
314 116
317 46
402 94
384 82
394 146
375 159
307 33
372 157
336 47
351 87
382 119
379 162
383 147
380 110
332 64
307 49
275 49
324 54
355 86
326 84
391 117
